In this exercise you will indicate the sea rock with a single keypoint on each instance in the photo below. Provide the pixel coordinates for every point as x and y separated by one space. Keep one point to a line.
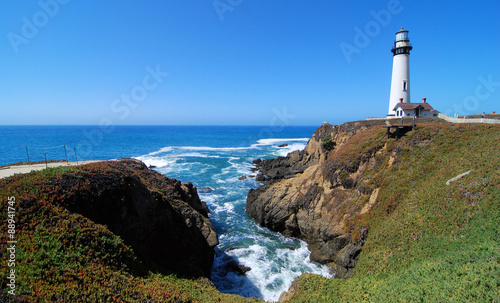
283 145
240 269
234 266
242 178
205 190
244 269
309 196
162 219
256 161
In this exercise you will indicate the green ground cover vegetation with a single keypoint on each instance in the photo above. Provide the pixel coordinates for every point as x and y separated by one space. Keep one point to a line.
427 241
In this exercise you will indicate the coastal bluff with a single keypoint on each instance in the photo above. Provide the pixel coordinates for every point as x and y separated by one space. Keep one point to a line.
106 221
416 215
310 194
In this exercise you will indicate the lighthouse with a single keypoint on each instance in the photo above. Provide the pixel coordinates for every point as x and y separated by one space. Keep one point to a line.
400 84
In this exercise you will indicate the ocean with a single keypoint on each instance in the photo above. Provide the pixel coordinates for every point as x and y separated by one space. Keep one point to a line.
216 158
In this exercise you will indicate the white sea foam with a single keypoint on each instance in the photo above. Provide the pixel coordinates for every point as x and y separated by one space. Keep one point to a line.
273 272
168 160
275 261
280 140
162 150
157 161
273 268
236 166
283 151
261 142
226 208
209 148
198 155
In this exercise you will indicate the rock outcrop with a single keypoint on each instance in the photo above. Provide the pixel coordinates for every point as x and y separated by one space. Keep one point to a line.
162 219
311 194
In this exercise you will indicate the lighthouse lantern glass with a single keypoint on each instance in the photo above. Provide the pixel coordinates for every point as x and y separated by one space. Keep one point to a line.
402 36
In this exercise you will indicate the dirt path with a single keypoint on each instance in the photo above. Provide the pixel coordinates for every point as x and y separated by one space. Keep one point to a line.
8 171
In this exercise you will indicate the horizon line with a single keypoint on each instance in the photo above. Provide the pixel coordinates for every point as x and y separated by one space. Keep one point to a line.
198 125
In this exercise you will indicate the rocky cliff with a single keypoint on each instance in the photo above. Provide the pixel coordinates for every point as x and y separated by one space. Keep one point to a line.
312 194
161 219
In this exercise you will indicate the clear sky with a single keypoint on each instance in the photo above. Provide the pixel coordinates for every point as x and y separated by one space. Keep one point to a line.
240 62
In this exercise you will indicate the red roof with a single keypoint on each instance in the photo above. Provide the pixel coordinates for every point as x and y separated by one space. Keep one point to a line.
410 106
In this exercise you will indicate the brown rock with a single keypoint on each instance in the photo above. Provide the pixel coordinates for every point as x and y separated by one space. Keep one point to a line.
308 197
162 219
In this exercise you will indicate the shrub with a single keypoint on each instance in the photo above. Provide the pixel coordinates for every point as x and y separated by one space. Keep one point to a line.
327 142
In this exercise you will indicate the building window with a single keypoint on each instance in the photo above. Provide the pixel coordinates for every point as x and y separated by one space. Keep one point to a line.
405 85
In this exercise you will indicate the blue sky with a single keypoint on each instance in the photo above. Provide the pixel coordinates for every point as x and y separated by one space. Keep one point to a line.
240 62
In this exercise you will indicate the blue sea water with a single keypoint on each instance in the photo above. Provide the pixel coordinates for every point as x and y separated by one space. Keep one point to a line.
208 156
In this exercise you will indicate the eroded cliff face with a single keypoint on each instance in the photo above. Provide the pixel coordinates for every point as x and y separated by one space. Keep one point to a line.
311 194
161 219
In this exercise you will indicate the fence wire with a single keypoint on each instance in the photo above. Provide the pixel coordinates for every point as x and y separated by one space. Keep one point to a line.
34 154
45 147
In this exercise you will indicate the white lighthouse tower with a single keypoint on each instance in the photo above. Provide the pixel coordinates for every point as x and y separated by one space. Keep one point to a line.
400 84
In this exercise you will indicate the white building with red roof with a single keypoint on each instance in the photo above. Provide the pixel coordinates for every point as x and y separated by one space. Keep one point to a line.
419 110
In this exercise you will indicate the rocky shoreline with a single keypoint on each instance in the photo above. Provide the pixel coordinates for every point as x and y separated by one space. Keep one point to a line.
305 195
